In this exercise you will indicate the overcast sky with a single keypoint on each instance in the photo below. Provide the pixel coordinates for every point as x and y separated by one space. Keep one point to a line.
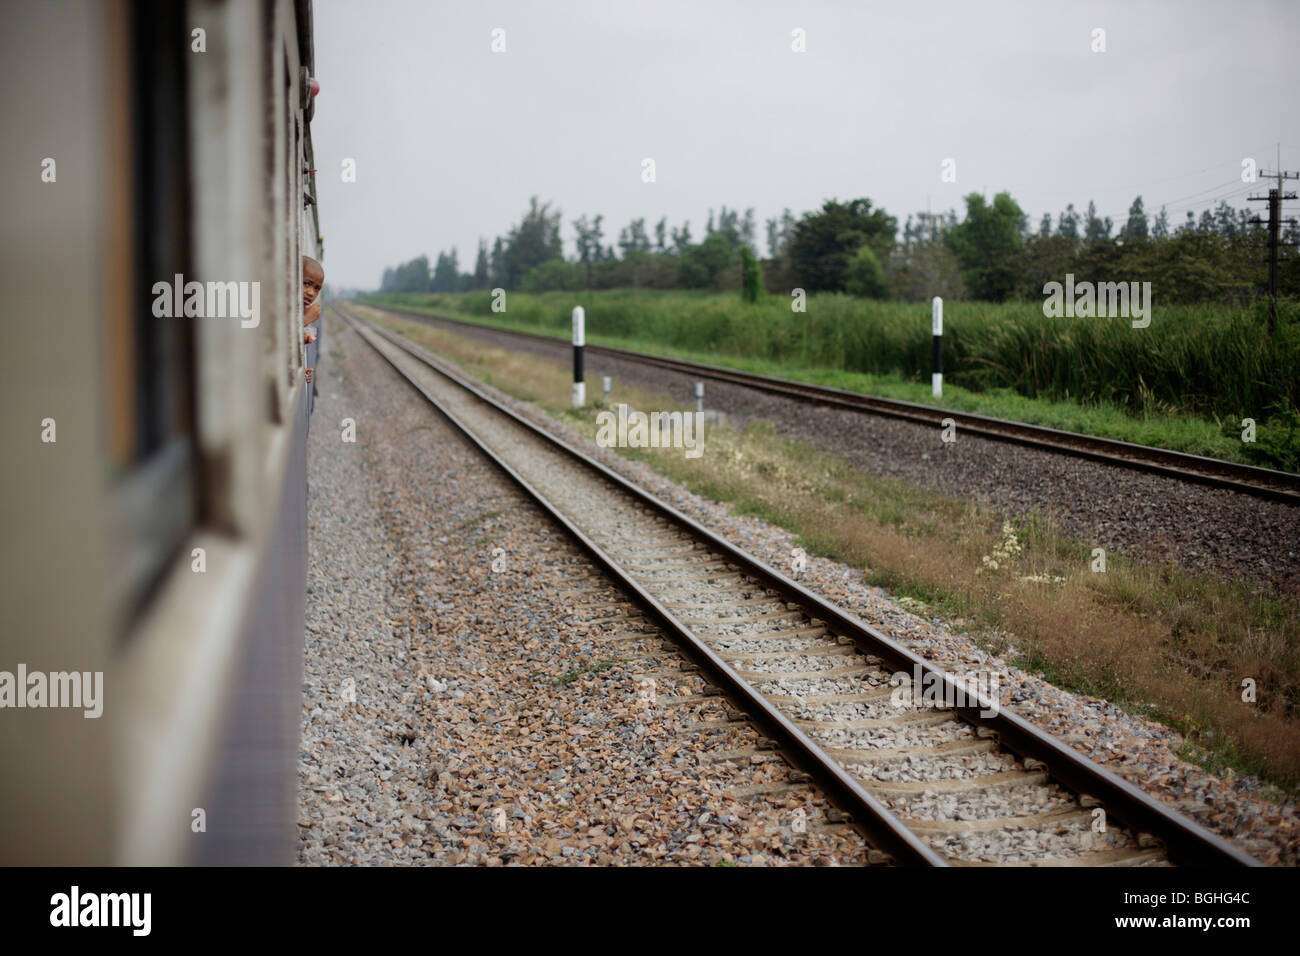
451 139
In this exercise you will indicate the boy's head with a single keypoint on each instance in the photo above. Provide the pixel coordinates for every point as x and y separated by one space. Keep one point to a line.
313 277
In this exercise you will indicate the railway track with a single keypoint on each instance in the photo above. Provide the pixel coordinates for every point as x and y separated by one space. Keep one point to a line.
1246 479
940 777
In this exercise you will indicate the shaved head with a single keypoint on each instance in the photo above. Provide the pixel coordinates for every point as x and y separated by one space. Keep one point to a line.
313 277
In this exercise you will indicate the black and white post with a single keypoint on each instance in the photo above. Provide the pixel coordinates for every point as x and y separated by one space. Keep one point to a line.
936 326
579 339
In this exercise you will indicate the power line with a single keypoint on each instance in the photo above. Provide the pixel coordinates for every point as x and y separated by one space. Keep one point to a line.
1224 190
1210 200
1191 199
1142 188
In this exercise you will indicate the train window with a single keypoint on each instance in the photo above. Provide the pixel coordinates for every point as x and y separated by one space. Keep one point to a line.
149 358
284 353
293 270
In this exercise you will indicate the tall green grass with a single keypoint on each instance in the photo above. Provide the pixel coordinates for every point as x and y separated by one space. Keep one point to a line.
1210 361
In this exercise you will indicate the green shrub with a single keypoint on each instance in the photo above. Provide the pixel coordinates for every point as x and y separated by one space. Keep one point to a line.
864 278
555 275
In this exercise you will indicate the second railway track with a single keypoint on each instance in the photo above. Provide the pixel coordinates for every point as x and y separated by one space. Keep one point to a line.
1264 483
966 783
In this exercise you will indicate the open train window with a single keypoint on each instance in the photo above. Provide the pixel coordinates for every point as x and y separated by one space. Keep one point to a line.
149 413
293 270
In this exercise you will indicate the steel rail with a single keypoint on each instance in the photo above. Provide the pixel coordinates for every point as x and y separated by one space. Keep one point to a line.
1186 842
1183 466
848 793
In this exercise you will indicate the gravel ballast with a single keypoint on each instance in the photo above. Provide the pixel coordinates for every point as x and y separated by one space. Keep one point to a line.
457 714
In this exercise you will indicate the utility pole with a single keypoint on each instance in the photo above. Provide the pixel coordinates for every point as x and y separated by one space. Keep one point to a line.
1274 198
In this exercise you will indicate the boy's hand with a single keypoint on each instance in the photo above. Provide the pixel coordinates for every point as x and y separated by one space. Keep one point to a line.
311 313
309 336
309 371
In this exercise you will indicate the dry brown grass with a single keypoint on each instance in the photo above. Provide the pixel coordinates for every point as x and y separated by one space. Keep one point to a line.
1172 645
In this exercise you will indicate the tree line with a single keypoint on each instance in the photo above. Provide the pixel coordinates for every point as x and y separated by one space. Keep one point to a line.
990 254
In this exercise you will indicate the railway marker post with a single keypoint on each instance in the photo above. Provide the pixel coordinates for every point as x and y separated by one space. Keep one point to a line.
579 339
699 397
608 385
936 328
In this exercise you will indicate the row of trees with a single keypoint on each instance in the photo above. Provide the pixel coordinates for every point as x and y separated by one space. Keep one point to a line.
990 254
530 257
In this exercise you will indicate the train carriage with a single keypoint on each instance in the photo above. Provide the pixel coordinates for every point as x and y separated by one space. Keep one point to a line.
154 499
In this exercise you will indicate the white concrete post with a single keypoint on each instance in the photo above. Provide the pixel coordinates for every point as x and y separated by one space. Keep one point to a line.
936 328
579 340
